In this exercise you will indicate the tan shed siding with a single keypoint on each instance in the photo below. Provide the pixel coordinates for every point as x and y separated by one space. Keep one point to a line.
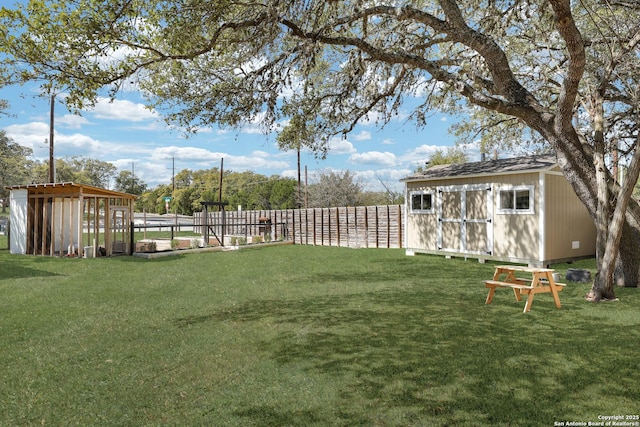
421 228
516 235
569 228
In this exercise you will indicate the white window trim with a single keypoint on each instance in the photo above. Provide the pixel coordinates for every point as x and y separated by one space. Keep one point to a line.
514 211
423 211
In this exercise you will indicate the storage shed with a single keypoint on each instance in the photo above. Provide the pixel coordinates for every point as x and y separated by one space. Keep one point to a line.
67 219
518 210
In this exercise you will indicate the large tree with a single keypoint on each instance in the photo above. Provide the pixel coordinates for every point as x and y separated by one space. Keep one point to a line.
15 165
81 170
331 189
563 71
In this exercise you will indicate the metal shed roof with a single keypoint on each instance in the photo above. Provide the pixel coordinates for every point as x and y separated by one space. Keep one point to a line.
71 189
486 168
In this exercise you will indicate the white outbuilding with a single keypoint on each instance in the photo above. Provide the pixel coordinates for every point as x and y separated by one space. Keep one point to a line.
67 219
519 210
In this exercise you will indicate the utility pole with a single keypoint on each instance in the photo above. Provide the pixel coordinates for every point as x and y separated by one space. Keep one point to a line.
133 177
52 167
220 190
299 201
306 190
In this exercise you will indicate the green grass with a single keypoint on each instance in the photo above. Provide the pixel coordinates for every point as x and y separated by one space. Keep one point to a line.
303 336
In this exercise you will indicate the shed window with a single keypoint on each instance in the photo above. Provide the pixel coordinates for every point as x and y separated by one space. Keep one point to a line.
422 202
516 200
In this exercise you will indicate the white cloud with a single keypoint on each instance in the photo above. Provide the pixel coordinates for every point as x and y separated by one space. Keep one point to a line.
258 159
71 121
185 154
388 141
34 135
77 143
340 146
423 151
362 136
122 110
374 158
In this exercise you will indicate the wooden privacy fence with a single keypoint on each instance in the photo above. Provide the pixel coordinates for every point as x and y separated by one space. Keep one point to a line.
355 227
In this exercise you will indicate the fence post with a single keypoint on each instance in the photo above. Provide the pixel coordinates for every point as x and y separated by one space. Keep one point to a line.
328 223
366 225
388 228
338 225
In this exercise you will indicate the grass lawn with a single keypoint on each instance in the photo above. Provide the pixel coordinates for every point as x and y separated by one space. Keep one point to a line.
304 336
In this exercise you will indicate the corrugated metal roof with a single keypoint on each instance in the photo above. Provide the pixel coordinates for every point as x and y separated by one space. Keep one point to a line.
71 188
488 167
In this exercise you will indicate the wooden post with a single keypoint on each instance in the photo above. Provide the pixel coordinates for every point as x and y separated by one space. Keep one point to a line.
338 225
377 229
80 225
388 228
45 219
306 225
355 223
328 225
366 225
52 219
71 248
61 242
36 226
346 214
321 226
400 226
107 227
96 225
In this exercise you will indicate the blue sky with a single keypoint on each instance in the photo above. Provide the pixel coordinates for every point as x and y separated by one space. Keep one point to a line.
130 136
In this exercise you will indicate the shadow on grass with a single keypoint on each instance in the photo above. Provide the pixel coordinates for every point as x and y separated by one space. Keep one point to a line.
17 271
412 356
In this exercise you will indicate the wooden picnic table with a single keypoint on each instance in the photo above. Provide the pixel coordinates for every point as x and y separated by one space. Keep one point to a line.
538 280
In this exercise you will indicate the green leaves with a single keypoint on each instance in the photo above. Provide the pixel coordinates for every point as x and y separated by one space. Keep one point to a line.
322 67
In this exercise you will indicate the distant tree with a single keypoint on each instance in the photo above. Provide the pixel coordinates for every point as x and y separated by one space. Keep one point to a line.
81 170
39 172
378 198
373 198
65 171
15 165
152 201
283 193
183 179
127 182
182 201
334 189
440 157
91 171
247 189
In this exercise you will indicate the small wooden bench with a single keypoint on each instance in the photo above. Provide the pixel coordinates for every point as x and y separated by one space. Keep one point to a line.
492 284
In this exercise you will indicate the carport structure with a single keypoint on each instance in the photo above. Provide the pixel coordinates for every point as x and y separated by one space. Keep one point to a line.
68 219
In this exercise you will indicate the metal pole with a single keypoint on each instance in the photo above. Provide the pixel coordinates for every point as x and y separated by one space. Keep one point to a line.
220 185
52 170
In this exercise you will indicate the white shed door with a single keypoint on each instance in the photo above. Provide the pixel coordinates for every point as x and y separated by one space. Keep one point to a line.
465 216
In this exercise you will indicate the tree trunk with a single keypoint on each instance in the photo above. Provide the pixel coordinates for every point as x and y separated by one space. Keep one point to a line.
603 281
627 269
603 284
577 167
